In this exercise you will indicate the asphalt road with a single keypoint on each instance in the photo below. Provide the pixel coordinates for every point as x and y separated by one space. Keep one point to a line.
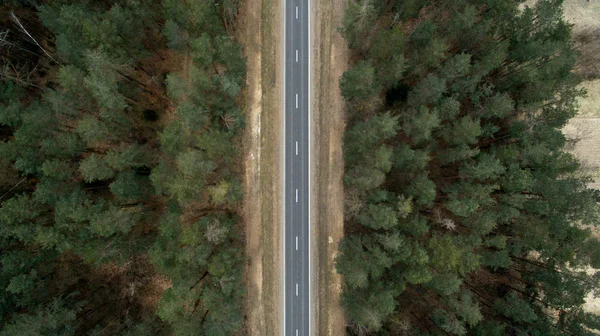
296 189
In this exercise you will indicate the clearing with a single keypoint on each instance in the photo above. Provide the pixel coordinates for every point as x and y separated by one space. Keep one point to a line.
583 14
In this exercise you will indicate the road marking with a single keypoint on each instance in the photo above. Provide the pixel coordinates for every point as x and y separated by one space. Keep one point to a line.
296 289
296 243
296 100
296 147
308 109
296 55
296 332
296 12
296 195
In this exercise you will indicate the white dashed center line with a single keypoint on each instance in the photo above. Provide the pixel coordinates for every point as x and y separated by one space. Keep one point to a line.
296 55
296 195
296 12
296 100
296 289
296 147
296 243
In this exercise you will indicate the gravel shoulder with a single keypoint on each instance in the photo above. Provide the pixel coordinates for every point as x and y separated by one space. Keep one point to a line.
259 22
329 61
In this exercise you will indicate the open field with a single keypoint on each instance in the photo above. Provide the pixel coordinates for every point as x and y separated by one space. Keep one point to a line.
259 22
330 60
583 15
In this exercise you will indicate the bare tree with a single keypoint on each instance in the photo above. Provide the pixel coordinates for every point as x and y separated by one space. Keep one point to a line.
16 20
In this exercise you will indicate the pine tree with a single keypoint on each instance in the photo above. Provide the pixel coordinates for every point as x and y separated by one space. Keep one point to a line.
360 82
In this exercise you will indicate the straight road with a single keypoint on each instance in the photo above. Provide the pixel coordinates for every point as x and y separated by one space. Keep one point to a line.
296 175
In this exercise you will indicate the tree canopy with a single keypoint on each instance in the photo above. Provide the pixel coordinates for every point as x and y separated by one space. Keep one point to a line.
465 214
120 192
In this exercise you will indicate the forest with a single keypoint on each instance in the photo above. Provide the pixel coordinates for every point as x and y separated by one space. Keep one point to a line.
120 195
464 213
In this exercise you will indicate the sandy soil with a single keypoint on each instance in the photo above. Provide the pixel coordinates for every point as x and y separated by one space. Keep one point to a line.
330 60
258 23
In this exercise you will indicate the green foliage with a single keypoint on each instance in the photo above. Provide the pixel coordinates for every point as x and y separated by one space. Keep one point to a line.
417 275
422 189
112 221
456 66
466 308
174 35
366 252
360 82
428 91
515 308
176 86
102 81
172 138
126 157
193 117
378 216
448 322
193 162
129 186
421 124
92 130
485 166
445 253
465 130
496 259
358 20
364 136
81 225
369 307
429 48
201 249
54 319
387 49
94 168
202 49
415 225
9 110
445 283
410 160
480 96
57 169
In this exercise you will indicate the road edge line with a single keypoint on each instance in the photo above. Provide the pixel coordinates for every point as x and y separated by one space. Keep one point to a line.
309 168
282 158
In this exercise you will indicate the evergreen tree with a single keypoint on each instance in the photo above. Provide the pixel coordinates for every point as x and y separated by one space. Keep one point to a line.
463 207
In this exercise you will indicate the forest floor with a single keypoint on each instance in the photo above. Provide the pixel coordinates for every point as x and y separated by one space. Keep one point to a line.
585 127
330 60
259 22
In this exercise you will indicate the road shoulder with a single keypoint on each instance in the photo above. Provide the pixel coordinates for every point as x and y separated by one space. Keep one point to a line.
329 61
259 22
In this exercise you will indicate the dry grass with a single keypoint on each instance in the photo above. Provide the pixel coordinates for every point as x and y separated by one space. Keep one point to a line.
590 105
583 14
330 60
259 22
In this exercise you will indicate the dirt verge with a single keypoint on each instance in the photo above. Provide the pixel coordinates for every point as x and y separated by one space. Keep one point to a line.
330 60
259 23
